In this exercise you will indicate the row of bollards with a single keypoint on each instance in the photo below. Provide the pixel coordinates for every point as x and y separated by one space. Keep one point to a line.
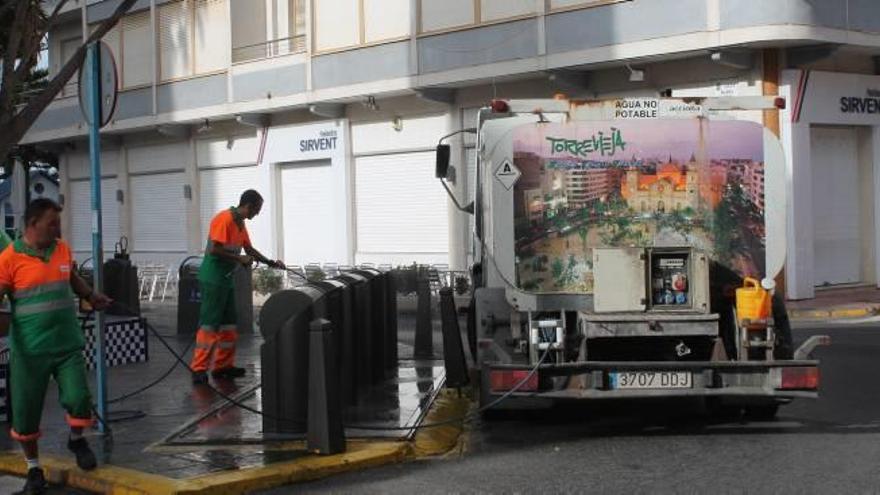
325 344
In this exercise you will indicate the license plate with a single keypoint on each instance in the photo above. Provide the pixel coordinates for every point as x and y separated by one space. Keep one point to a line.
651 380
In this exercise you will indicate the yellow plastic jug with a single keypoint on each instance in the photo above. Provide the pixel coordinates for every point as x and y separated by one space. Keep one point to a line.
752 301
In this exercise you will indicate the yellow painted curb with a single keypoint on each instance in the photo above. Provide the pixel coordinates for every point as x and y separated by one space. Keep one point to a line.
360 454
109 480
447 408
850 313
842 313
112 480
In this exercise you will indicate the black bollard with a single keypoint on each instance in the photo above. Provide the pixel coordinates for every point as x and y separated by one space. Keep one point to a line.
453 351
391 325
424 321
326 434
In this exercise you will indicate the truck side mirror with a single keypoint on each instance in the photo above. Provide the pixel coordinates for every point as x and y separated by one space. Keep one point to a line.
442 167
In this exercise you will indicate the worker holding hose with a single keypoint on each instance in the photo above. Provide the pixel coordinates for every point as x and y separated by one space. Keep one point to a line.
46 340
218 331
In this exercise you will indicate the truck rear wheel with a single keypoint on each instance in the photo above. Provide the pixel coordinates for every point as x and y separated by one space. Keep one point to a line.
784 348
762 413
720 410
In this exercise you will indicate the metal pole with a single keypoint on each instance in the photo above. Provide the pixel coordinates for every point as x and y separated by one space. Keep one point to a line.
94 71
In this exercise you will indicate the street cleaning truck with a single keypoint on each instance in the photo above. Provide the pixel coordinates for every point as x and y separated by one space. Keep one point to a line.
627 249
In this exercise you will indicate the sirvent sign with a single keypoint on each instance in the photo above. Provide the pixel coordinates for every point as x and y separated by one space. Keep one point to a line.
326 141
869 104
833 98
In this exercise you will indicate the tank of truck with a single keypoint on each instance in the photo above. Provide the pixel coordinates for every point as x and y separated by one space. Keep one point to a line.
607 236
558 191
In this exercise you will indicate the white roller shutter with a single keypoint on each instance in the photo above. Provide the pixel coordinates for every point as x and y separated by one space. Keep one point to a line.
837 234
80 205
222 188
165 157
310 217
158 213
401 209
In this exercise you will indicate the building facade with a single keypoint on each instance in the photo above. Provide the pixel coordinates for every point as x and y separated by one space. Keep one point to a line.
332 108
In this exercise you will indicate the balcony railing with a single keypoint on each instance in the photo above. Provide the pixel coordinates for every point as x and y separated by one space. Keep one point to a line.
268 49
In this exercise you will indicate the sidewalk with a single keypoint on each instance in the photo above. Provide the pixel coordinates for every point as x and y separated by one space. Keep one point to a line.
190 440
837 303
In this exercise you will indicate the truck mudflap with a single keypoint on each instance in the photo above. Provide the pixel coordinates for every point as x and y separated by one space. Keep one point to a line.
642 379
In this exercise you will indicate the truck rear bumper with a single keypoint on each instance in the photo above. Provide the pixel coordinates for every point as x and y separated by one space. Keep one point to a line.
598 380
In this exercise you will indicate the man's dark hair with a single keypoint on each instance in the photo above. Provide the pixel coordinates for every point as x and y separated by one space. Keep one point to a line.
37 208
250 197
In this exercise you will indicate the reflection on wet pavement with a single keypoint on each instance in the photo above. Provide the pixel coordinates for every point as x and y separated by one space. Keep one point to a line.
399 402
189 431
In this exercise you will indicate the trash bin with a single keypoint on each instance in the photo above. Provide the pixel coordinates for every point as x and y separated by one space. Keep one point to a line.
337 306
188 296
365 348
121 282
284 357
377 333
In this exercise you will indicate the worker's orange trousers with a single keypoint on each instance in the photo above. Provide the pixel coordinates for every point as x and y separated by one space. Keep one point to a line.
217 344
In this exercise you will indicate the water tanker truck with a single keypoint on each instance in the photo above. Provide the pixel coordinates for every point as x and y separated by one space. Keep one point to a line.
627 249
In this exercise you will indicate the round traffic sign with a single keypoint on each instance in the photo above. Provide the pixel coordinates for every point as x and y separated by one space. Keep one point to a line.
108 82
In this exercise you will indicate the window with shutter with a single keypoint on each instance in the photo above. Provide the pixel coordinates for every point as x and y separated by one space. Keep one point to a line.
210 35
379 26
68 48
437 15
137 50
175 38
249 30
297 19
113 39
336 24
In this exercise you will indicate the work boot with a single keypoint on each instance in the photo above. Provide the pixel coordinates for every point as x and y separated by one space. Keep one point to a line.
36 482
85 458
229 373
199 378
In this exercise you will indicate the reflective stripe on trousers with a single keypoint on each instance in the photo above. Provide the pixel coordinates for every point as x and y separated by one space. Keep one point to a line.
225 353
219 345
205 341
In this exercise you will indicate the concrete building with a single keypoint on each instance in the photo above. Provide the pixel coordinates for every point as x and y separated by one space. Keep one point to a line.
332 108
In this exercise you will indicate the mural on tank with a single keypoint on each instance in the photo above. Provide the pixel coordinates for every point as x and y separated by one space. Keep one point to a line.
639 183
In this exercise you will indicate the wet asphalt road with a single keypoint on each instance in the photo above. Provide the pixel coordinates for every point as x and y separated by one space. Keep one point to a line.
831 445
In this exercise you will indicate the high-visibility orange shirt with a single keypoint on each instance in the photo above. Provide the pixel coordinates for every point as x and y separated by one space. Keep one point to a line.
227 231
43 311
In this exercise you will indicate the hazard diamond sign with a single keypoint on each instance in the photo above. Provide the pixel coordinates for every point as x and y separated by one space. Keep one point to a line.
507 174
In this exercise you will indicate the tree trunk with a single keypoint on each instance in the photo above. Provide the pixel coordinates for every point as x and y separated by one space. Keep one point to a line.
14 128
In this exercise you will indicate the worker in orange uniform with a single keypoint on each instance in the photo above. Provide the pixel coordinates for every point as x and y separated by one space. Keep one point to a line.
46 340
217 316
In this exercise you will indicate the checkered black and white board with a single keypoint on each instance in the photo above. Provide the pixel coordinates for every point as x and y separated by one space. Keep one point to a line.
126 342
